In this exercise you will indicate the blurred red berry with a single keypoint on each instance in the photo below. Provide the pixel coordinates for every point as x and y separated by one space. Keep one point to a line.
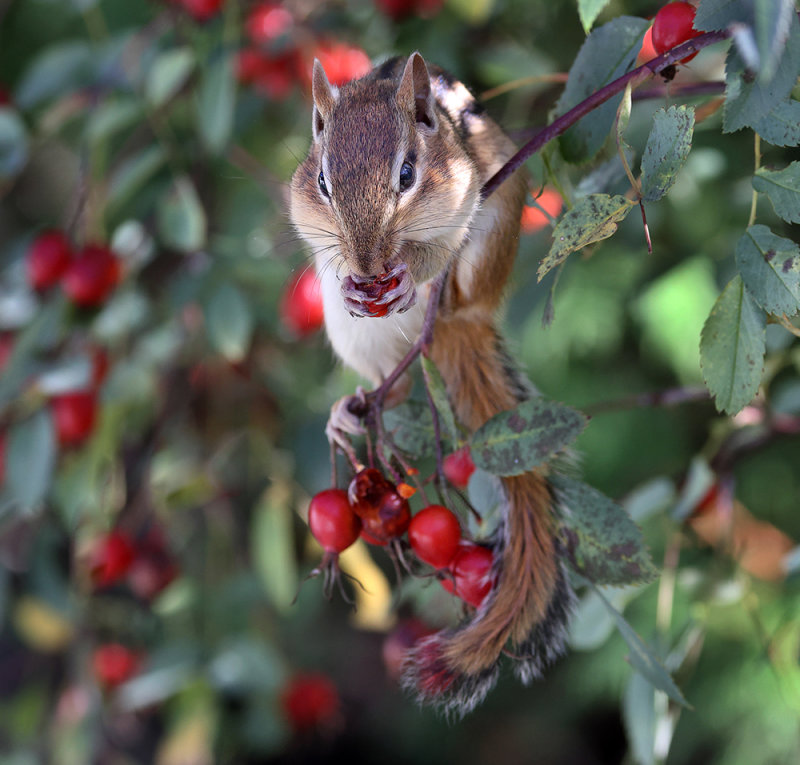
471 570
6 349
267 21
647 52
310 700
47 259
153 567
111 558
91 276
301 306
398 642
74 416
533 218
202 10
5 96
114 663
342 62
458 467
400 9
673 25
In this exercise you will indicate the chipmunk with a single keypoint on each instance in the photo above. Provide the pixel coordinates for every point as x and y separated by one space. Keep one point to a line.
391 192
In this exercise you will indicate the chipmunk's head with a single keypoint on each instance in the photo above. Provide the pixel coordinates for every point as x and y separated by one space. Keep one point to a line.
387 186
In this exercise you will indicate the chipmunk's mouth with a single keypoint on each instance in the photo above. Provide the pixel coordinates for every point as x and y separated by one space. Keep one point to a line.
381 295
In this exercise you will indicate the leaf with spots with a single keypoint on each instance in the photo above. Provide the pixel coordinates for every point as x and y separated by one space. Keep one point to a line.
595 217
667 148
732 347
781 127
514 441
600 539
783 189
770 268
410 426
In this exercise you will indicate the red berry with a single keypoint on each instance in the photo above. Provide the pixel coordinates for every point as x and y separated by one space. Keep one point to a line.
458 467
534 219
370 540
47 259
332 521
342 62
111 558
301 307
399 641
434 534
400 9
74 416
672 26
202 10
471 570
647 52
267 21
91 276
114 663
384 513
310 700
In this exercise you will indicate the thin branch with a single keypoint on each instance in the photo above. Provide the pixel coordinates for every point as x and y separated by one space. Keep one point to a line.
668 397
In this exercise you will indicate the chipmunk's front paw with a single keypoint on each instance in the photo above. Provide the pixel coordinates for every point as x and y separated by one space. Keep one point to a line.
346 417
382 295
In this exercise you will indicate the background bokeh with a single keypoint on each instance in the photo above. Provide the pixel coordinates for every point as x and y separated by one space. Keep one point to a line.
173 527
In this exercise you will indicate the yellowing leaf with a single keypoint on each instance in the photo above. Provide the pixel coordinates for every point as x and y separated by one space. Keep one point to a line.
373 592
41 626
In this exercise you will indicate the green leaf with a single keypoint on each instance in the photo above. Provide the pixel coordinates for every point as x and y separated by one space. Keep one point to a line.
770 268
438 392
749 99
641 658
273 546
132 174
215 106
713 15
606 54
667 147
168 74
181 217
474 12
411 428
110 117
589 10
781 127
592 219
31 460
783 189
639 717
601 541
229 320
13 143
732 347
56 71
773 19
514 441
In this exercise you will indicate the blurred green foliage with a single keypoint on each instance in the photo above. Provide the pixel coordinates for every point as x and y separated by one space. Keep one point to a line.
126 123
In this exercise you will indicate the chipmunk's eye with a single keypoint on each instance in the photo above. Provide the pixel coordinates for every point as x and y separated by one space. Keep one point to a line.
322 187
406 176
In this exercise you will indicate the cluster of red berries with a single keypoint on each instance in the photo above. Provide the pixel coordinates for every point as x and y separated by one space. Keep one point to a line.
273 62
377 510
673 25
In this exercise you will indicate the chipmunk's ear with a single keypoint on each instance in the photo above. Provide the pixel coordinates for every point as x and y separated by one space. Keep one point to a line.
414 92
324 95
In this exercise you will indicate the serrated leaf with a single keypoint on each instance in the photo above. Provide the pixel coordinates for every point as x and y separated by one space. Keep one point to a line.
783 189
781 127
181 217
592 219
770 268
57 70
666 150
31 460
773 19
514 441
273 546
748 99
732 347
589 10
216 102
168 74
229 322
438 392
601 541
411 428
641 658
13 143
606 54
133 173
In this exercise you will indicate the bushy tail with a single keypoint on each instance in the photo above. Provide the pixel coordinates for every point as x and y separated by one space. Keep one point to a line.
528 607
